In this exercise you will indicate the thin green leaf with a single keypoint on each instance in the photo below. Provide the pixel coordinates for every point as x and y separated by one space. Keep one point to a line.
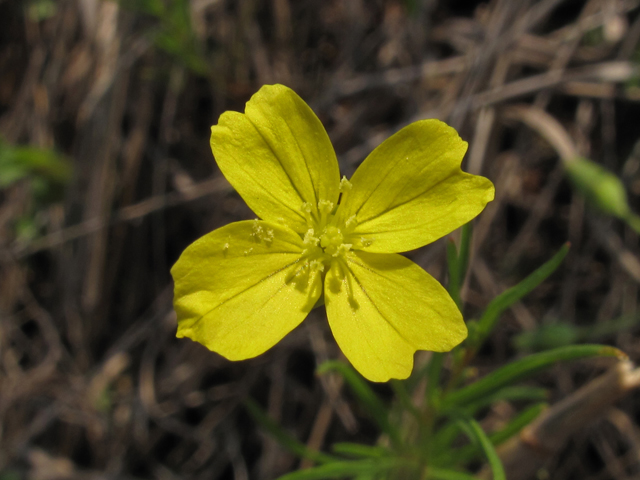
444 454
525 367
458 261
444 474
503 301
403 396
467 453
17 162
559 333
545 337
601 188
453 285
442 441
343 469
610 327
518 393
464 251
633 221
359 450
433 394
286 440
433 379
367 397
518 423
475 433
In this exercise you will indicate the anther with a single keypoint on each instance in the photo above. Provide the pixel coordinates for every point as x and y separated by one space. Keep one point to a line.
316 266
325 206
262 234
310 238
306 211
342 249
269 236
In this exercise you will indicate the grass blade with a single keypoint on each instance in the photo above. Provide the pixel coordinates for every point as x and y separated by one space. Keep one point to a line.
503 301
458 261
444 474
525 367
283 437
518 393
359 450
518 423
433 379
400 389
367 397
461 456
476 434
341 469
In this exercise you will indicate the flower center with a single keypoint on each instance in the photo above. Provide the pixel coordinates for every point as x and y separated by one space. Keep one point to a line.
332 242
326 238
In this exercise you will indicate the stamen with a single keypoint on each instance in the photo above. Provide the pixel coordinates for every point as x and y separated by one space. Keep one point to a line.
342 249
257 230
346 281
306 211
269 236
310 238
316 266
306 273
262 234
325 207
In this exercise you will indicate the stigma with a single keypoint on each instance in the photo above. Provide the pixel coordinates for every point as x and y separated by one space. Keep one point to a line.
326 237
333 243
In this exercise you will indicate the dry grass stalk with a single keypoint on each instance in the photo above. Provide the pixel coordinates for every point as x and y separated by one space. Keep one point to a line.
525 454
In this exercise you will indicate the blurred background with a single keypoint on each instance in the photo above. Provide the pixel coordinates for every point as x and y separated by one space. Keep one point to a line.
106 175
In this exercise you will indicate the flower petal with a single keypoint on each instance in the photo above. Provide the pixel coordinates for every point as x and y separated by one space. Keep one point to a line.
383 307
410 190
277 155
236 289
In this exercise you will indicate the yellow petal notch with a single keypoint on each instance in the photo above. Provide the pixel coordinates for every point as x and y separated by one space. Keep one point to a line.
383 307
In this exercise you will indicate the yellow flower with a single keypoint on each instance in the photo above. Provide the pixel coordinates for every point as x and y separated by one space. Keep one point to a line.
240 289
